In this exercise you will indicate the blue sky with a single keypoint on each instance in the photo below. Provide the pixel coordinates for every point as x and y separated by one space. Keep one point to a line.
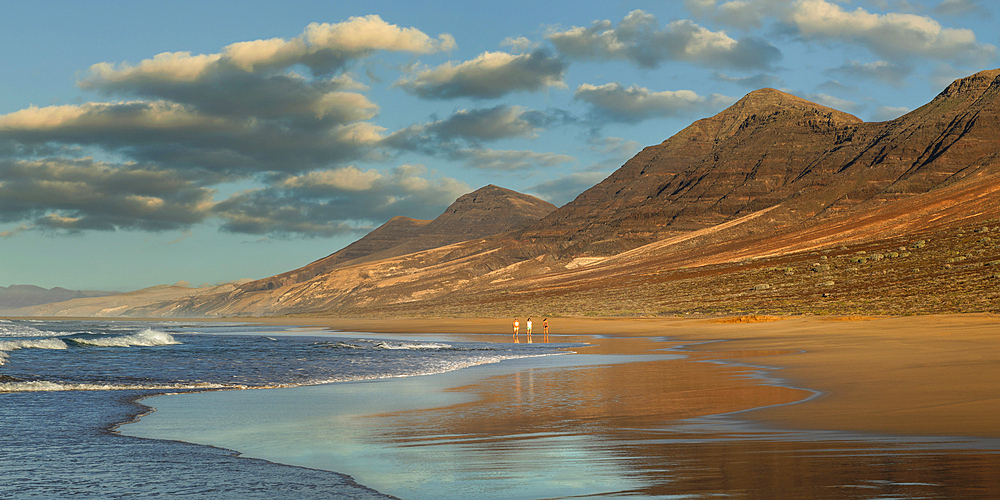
146 143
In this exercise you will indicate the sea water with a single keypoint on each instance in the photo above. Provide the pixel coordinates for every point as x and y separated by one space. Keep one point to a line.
66 385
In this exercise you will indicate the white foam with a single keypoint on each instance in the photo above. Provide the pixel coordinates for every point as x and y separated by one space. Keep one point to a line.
48 386
13 345
145 338
411 345
11 329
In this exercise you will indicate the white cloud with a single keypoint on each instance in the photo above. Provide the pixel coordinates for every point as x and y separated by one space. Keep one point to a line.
323 47
119 116
181 136
341 201
633 104
833 102
758 81
85 194
359 35
469 125
564 189
520 44
892 35
508 160
616 147
880 71
962 8
639 39
885 113
488 76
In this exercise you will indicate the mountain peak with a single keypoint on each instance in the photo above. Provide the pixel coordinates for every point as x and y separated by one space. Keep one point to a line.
768 99
767 106
493 208
975 84
488 210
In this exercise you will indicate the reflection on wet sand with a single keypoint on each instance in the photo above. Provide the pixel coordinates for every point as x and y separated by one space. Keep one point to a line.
632 428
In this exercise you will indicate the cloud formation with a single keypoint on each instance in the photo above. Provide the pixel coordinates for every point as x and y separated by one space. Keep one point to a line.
639 39
488 76
614 102
76 195
338 201
754 82
460 138
471 125
507 160
322 47
564 189
240 111
962 8
81 195
879 71
895 36
181 136
179 123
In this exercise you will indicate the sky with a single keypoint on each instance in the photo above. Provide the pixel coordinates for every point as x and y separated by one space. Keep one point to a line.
199 142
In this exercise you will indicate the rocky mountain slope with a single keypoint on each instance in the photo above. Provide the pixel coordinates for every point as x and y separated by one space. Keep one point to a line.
486 211
776 204
772 149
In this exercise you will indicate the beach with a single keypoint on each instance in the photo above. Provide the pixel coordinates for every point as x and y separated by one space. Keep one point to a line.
913 375
756 407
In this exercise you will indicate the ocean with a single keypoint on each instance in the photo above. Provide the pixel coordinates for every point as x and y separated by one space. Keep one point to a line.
66 386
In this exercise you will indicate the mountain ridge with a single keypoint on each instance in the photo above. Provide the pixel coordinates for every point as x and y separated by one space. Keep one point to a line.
488 210
16 296
706 219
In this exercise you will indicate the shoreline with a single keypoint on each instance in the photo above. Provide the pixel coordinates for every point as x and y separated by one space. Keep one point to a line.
607 428
936 375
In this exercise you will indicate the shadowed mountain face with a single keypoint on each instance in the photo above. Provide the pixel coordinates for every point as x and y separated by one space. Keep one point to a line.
708 220
772 149
484 212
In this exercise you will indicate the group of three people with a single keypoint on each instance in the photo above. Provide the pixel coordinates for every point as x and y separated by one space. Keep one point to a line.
517 326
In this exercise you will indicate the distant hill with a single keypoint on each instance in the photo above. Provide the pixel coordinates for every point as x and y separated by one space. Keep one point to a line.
486 211
16 296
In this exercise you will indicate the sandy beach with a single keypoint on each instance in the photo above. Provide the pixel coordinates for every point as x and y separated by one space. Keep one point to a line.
799 407
914 375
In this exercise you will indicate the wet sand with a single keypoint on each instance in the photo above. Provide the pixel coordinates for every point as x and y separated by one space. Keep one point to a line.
915 375
793 408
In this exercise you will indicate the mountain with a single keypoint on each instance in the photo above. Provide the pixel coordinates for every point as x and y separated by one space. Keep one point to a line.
119 304
773 149
486 211
776 204
16 296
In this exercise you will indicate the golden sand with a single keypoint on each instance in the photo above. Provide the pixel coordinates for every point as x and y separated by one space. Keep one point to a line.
916 375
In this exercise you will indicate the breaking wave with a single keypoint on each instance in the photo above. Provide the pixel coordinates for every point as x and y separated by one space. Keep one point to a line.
12 345
145 338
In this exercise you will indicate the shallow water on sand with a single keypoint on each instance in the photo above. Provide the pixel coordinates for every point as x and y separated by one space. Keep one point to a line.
626 424
580 426
65 385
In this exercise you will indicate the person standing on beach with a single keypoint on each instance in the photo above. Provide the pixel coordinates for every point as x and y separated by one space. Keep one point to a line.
528 324
545 328
517 326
